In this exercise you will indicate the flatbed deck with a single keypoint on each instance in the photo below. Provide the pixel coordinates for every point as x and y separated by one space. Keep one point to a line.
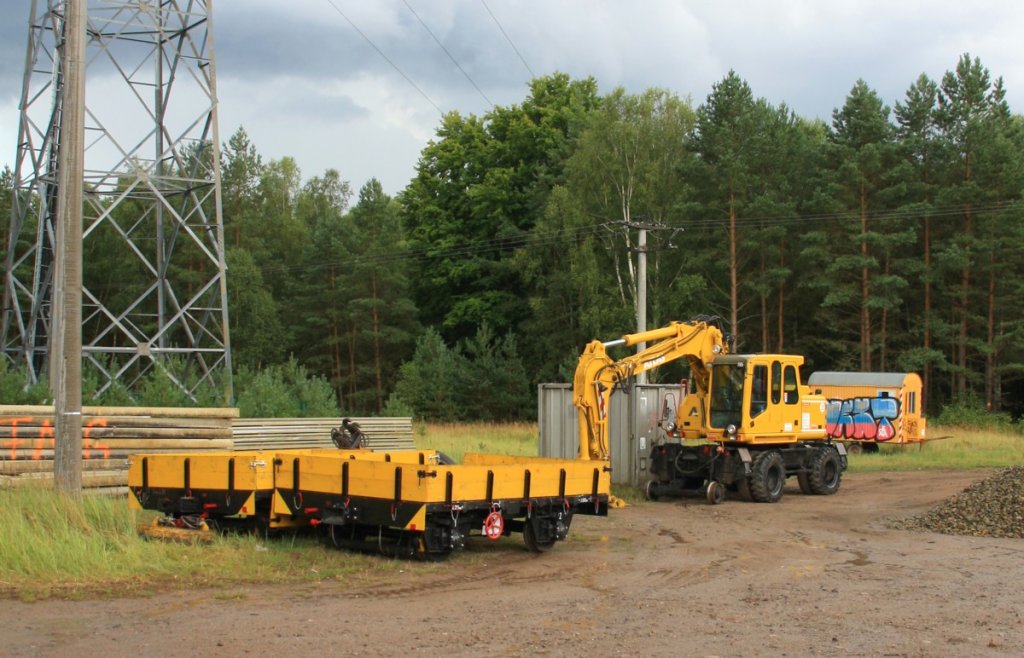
414 501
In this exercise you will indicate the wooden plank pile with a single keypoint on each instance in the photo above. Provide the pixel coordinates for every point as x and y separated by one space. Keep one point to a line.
111 434
264 433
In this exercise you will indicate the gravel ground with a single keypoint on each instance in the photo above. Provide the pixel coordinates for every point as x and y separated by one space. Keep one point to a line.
808 576
993 507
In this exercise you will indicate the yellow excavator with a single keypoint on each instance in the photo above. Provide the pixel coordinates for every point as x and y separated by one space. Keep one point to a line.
745 422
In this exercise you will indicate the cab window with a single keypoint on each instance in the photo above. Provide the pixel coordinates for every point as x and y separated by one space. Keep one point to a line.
776 382
792 390
759 391
726 394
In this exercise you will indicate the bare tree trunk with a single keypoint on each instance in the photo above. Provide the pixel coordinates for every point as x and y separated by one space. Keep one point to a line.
865 312
352 361
927 375
336 351
765 341
991 401
965 289
734 297
782 302
377 367
884 329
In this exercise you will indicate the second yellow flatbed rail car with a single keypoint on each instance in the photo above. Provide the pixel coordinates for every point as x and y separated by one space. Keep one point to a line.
410 501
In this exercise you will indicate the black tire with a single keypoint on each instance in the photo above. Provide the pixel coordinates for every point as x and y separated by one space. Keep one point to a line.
826 473
538 540
854 448
715 493
651 490
768 477
805 483
743 489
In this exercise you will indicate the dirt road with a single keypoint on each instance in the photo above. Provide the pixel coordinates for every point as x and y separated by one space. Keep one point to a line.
810 575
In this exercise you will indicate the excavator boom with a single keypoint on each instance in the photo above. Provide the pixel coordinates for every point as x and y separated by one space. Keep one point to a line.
698 341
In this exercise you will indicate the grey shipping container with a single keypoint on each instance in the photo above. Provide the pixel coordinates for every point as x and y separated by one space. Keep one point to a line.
633 426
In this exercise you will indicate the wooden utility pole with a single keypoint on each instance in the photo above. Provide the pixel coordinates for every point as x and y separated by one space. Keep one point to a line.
66 326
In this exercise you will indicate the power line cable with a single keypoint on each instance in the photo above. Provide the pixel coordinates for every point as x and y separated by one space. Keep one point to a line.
386 58
603 225
509 39
581 232
446 52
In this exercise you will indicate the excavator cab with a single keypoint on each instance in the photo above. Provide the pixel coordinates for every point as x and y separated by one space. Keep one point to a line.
757 398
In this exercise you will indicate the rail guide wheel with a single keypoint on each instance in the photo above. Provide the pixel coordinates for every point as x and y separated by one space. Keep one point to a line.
715 492
538 539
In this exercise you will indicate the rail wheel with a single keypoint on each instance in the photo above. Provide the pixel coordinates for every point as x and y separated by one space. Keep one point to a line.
429 553
715 493
538 535
768 477
347 535
825 474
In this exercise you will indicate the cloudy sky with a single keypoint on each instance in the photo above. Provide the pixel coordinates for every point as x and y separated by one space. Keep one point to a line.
360 86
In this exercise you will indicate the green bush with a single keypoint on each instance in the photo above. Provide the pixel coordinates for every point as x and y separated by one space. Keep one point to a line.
482 379
16 389
284 391
969 412
429 382
396 407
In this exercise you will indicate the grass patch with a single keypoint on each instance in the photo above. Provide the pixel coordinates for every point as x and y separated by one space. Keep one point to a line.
961 449
456 439
52 546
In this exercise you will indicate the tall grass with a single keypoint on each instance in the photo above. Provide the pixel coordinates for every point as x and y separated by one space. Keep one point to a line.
951 448
456 439
51 545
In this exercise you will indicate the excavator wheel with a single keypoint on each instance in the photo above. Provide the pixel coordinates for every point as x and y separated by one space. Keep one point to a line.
768 477
826 473
743 489
805 483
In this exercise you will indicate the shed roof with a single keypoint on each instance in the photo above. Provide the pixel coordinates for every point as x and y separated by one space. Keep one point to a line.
896 379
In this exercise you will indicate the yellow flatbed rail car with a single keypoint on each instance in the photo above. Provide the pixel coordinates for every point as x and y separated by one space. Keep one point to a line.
411 502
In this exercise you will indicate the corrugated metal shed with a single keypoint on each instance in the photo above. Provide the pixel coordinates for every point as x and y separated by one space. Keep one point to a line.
632 426
888 379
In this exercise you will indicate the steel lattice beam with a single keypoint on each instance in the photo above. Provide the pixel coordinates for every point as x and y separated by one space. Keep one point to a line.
152 190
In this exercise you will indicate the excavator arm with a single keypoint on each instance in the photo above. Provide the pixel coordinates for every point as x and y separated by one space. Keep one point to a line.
699 341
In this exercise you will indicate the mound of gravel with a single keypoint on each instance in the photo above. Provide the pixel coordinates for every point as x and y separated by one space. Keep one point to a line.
993 507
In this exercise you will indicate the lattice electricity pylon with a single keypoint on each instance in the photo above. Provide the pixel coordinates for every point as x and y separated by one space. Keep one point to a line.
154 287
